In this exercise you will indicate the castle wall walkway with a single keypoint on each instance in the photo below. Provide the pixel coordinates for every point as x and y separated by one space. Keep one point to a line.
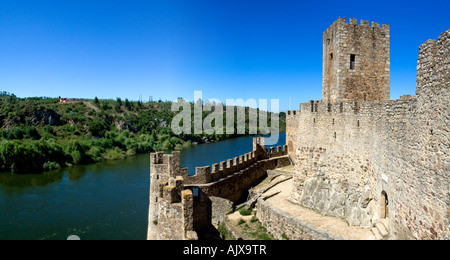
284 218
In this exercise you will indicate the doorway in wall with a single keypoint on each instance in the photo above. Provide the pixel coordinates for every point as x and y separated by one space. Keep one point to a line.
384 205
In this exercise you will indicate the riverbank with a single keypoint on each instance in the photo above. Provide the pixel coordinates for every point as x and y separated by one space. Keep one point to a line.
49 134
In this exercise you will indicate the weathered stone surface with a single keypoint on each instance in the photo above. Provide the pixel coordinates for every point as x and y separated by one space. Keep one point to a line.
356 62
335 199
279 222
220 207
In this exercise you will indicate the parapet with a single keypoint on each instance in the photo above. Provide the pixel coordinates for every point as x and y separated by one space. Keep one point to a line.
258 141
165 165
292 112
318 108
208 174
433 69
171 191
363 23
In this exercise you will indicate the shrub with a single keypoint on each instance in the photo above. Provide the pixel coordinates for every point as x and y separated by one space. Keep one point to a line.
78 152
97 127
245 212
115 154
225 233
130 152
48 166
95 153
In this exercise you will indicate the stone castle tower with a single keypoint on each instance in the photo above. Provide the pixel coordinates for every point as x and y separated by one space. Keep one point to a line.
356 61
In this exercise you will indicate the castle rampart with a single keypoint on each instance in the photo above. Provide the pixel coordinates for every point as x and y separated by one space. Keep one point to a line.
170 203
179 201
386 159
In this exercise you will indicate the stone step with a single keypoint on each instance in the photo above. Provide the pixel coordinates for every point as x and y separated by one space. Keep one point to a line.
376 234
382 229
385 223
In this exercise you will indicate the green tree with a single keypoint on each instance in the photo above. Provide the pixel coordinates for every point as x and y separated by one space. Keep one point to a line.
78 152
97 127
128 104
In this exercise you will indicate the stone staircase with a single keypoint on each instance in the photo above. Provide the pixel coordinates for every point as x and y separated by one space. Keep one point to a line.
381 229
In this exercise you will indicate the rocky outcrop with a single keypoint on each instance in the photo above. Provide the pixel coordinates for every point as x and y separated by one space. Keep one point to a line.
46 117
339 199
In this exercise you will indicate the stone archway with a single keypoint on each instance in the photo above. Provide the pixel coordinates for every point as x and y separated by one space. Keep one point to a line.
384 205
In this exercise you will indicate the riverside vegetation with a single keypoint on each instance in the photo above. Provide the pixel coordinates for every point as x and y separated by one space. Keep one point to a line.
39 134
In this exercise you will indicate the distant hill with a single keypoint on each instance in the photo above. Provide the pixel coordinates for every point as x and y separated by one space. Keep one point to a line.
46 133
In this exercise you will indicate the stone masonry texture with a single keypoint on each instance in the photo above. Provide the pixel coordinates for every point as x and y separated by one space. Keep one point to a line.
356 61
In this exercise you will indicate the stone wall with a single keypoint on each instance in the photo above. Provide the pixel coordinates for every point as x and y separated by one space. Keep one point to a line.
291 131
281 225
170 204
385 152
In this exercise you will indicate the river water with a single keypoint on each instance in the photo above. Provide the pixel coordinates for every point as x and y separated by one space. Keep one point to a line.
107 200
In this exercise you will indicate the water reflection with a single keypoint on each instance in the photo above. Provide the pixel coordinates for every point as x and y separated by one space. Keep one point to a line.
74 173
30 180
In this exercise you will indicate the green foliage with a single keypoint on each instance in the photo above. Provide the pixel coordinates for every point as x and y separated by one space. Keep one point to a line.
97 127
78 151
47 134
245 212
48 166
115 154
21 157
225 233
285 237
95 153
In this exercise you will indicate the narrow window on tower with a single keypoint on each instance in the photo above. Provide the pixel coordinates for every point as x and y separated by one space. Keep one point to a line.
352 61
331 56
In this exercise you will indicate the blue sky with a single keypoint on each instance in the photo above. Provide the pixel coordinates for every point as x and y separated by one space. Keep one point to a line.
170 48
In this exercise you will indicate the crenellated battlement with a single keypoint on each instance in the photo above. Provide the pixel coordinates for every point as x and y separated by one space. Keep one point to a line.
217 171
163 166
433 64
356 59
171 190
292 112
170 203
364 23
318 108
